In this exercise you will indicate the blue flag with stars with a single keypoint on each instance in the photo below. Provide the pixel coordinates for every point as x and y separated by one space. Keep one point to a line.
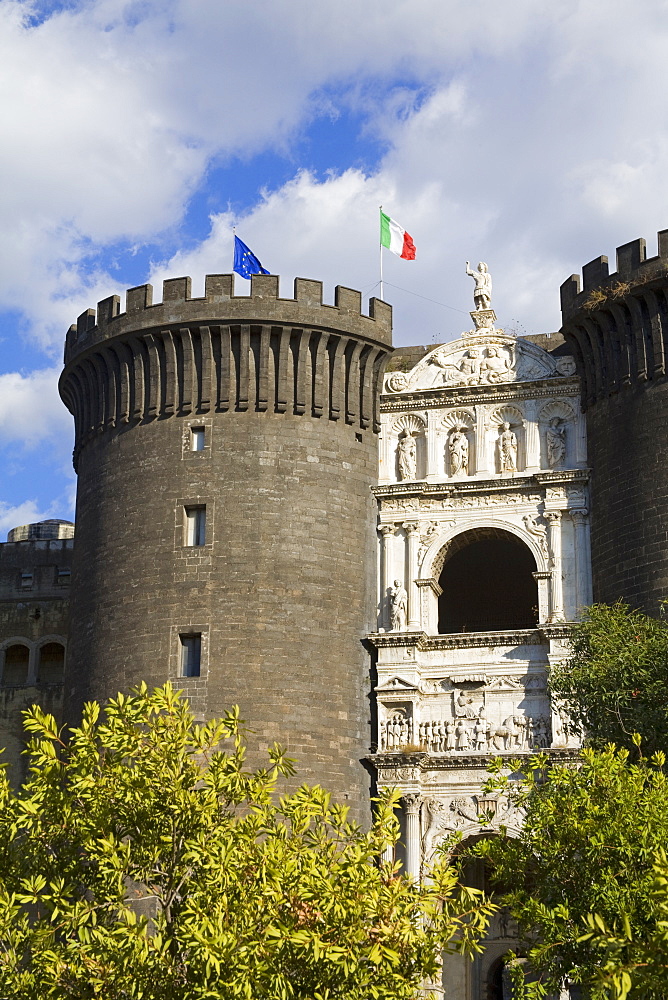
245 261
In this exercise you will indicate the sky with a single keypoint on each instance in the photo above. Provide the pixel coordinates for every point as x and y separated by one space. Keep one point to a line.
135 135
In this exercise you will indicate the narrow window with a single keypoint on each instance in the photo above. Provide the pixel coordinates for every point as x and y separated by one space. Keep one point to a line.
191 655
195 525
63 576
197 438
26 580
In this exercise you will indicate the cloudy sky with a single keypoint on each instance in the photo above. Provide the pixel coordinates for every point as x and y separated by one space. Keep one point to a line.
136 134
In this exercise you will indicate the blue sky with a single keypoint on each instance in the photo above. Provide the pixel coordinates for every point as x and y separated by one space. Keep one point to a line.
136 134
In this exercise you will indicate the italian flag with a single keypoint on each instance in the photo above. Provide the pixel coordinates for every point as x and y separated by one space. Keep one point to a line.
396 239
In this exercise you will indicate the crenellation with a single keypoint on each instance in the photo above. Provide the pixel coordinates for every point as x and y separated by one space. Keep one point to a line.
634 268
176 290
305 309
85 322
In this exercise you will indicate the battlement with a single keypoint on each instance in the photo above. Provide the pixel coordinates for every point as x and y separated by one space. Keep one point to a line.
634 267
219 303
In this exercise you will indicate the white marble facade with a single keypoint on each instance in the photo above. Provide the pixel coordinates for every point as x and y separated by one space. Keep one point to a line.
496 447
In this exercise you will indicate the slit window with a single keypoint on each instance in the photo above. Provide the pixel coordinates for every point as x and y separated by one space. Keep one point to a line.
197 438
191 655
195 526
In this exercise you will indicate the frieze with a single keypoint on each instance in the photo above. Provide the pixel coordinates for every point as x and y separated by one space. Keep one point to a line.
491 640
403 504
470 395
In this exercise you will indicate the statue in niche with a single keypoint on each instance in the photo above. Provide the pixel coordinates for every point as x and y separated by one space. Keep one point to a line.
458 446
556 443
407 456
398 607
507 449
464 707
496 367
539 531
482 293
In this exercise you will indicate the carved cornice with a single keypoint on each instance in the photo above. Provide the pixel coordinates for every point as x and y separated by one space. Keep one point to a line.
506 391
450 490
465 640
422 761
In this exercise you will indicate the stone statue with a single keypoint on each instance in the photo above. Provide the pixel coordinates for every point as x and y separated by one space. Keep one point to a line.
465 372
458 447
496 367
463 737
450 735
464 707
407 456
507 449
539 532
481 731
482 293
399 607
556 443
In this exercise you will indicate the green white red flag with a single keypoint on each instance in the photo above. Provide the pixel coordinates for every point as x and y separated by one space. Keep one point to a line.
396 239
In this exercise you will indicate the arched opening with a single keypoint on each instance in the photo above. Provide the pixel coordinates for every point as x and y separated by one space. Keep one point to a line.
15 672
487 583
51 663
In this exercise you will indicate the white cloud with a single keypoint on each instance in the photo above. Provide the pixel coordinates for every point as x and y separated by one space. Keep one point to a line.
31 413
535 151
24 513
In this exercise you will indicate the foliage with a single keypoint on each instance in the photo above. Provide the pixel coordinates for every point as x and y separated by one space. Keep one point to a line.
142 859
583 873
616 681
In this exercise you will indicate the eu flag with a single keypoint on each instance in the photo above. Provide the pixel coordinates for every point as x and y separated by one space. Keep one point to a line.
245 261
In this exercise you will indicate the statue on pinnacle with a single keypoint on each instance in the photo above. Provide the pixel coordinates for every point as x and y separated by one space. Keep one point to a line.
482 293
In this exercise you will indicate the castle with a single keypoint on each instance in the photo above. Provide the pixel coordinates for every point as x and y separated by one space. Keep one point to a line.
376 554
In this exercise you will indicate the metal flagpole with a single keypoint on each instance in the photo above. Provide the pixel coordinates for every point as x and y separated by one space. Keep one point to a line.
381 259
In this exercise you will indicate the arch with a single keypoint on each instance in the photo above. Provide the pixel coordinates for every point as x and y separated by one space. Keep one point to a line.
16 663
50 660
487 583
436 554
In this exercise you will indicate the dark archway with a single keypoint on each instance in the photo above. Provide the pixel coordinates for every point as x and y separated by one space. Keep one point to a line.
15 673
51 663
487 583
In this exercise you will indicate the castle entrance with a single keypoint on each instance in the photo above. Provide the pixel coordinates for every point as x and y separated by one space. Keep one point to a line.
487 583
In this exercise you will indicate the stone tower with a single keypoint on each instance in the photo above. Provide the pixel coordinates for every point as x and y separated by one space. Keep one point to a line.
226 447
617 327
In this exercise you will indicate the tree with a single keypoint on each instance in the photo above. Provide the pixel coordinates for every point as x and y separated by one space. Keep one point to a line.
616 681
143 859
583 871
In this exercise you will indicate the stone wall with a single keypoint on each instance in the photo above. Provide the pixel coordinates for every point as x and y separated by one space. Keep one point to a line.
34 616
617 326
282 590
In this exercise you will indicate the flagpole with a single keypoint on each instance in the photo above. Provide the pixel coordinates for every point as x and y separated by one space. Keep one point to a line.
381 261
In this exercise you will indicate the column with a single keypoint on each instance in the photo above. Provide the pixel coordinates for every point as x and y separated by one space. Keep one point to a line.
434 467
2 664
413 540
532 437
553 518
411 804
481 467
580 439
387 467
582 564
386 534
542 579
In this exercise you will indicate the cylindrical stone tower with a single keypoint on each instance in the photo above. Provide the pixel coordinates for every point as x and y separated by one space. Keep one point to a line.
225 448
617 326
